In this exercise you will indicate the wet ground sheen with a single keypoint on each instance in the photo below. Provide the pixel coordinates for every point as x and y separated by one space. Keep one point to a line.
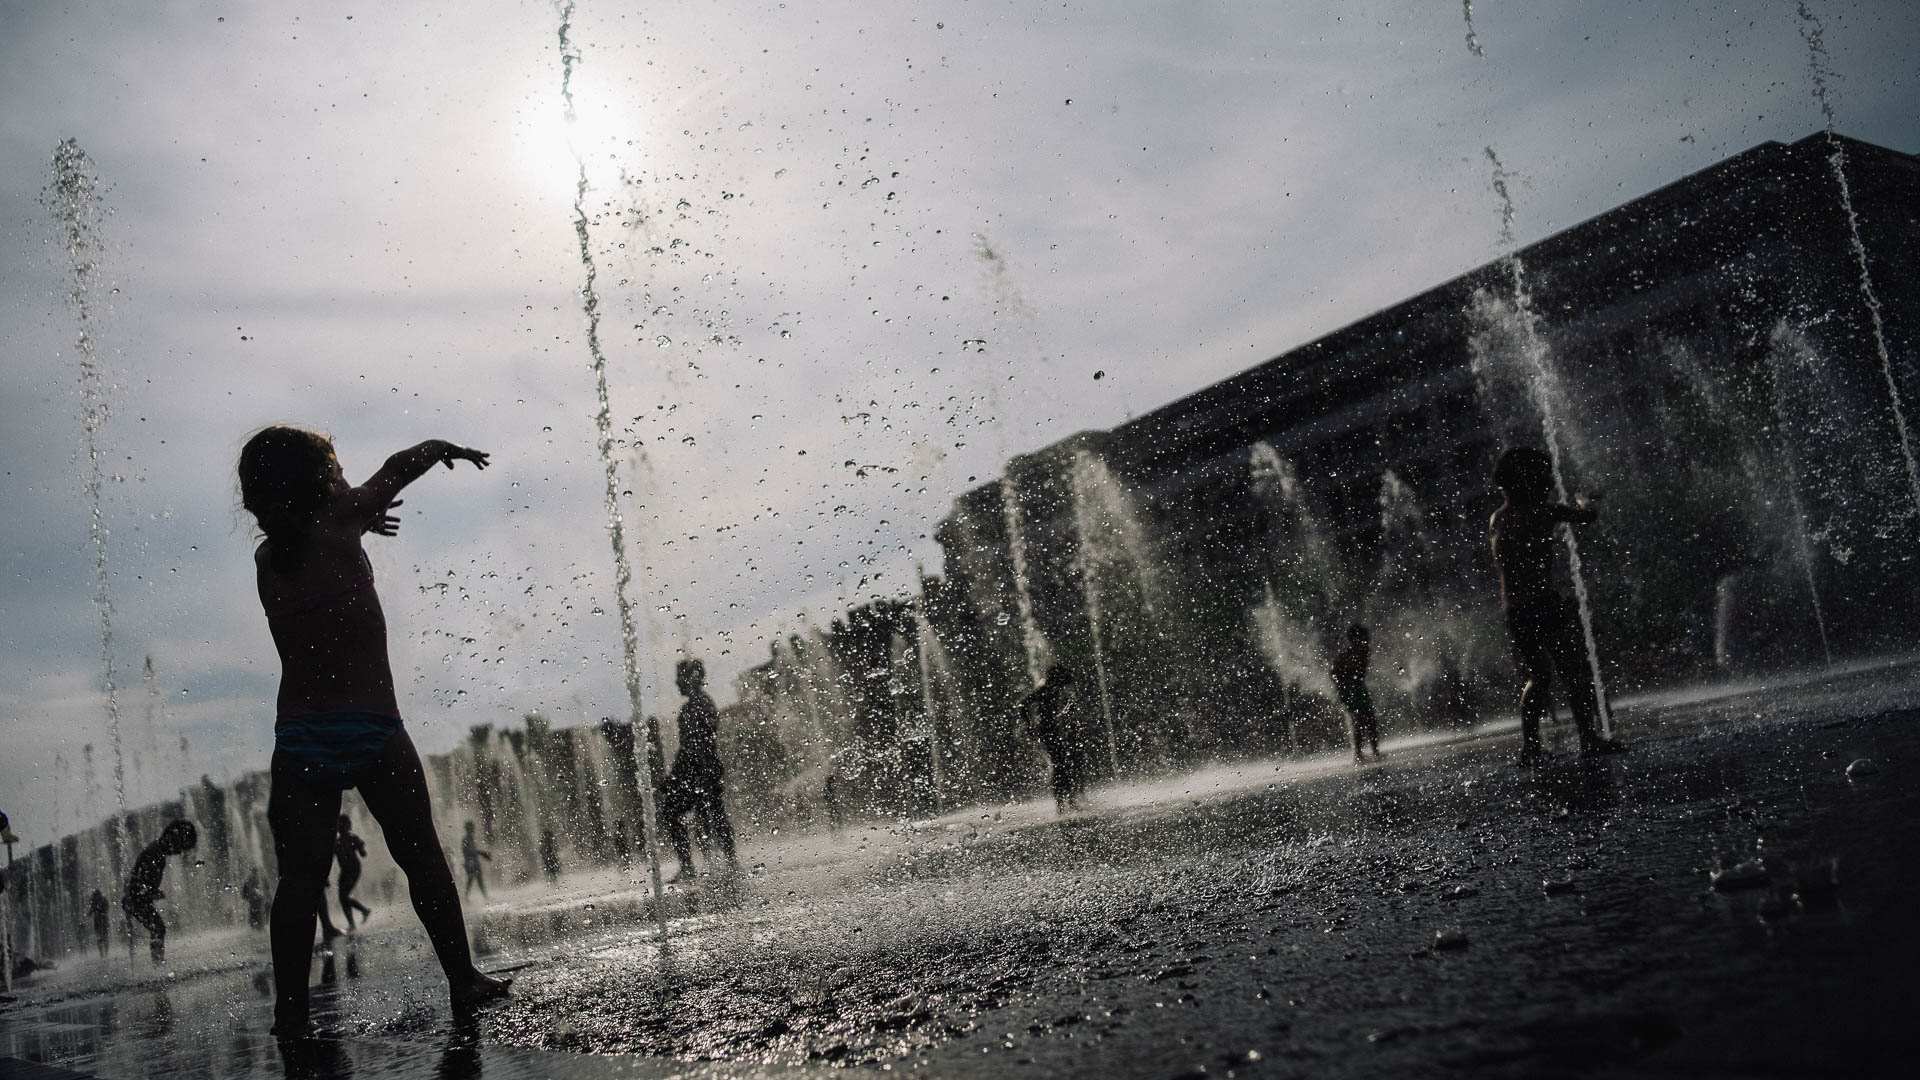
1444 913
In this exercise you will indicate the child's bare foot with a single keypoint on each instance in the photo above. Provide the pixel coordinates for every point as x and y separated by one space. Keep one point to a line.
477 989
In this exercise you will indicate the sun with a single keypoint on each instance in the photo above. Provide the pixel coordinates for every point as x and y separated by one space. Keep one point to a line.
550 149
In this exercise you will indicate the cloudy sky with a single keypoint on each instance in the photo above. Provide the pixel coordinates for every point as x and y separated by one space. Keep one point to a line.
851 255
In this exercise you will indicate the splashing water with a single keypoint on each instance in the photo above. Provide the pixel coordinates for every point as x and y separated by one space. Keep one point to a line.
923 643
1500 178
74 198
1473 39
1782 353
603 422
1030 636
1542 386
1821 74
1084 529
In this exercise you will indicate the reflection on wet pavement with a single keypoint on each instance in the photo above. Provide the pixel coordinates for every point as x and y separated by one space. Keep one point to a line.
1443 912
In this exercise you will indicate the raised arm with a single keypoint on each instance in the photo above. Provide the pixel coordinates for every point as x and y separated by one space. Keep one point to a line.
372 498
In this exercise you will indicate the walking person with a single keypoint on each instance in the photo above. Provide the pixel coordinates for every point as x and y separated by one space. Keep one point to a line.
1544 624
348 849
1051 715
338 720
143 885
694 785
470 856
1350 685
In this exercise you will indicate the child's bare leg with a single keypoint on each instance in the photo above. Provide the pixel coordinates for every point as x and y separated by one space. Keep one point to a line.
395 792
301 815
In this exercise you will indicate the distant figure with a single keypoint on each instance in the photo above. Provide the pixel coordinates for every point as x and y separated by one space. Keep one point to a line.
1350 684
256 897
1544 624
97 906
337 719
143 885
694 783
470 856
1051 716
550 856
348 850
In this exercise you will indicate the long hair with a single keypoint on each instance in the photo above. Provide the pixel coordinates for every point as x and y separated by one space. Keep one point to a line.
283 484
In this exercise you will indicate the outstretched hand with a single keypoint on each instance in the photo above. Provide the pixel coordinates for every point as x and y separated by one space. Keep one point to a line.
459 453
385 523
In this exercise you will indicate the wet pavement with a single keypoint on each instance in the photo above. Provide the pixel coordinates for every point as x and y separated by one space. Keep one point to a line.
1442 913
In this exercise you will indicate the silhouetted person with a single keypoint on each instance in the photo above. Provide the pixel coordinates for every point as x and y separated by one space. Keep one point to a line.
1350 685
143 885
1544 624
97 906
337 720
470 856
694 783
550 856
256 897
348 850
1051 714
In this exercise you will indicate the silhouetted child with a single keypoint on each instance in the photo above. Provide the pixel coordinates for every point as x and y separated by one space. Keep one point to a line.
1051 716
143 885
338 721
470 856
98 907
1545 625
550 856
694 784
1350 684
348 850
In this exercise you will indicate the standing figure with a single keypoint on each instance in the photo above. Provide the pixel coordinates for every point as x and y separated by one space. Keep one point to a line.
1545 625
470 856
143 885
1350 684
256 897
97 906
348 850
550 856
1051 716
694 783
338 720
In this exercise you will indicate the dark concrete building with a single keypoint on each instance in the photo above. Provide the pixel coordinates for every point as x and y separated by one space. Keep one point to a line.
1706 360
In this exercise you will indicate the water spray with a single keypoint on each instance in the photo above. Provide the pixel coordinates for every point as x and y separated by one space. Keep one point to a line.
1473 39
1821 74
1534 347
616 534
923 650
74 199
1085 526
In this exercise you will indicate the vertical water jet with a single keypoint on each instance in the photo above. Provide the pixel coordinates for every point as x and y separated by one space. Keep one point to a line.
74 198
603 423
1084 529
1542 386
1814 32
923 652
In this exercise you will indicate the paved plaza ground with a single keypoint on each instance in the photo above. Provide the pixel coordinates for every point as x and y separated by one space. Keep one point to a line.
1443 913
